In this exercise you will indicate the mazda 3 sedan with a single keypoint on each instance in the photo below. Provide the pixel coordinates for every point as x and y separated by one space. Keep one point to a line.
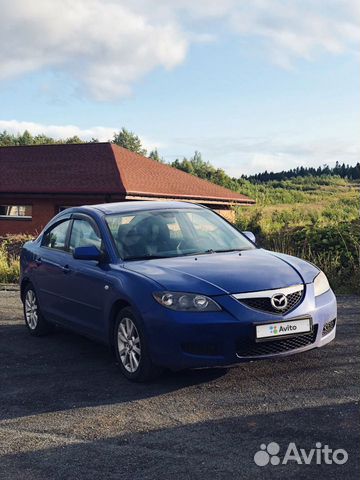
172 284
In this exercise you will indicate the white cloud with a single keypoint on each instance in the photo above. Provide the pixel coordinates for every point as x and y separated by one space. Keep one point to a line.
103 134
107 45
300 28
250 155
102 44
237 156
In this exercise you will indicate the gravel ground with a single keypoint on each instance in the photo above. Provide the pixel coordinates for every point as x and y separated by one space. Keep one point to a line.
67 413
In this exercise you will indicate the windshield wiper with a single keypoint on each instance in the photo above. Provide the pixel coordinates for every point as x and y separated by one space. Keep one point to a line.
202 252
229 250
210 250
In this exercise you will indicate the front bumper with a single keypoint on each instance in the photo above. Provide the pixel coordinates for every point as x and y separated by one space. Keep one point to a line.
180 340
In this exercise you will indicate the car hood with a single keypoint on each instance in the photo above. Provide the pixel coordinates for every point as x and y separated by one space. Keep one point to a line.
219 273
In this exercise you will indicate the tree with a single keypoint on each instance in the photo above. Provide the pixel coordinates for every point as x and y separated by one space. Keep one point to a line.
154 155
42 139
129 140
202 169
6 139
26 138
74 139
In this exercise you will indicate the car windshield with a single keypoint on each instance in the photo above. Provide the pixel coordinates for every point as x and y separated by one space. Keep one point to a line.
168 233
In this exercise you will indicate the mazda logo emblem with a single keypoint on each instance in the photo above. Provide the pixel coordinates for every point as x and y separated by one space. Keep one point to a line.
279 301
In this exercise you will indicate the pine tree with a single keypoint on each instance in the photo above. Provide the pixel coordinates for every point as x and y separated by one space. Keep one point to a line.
129 140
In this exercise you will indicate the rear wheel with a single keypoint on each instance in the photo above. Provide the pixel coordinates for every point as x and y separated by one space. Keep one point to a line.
131 348
34 320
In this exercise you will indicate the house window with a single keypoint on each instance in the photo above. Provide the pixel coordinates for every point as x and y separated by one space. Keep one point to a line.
16 212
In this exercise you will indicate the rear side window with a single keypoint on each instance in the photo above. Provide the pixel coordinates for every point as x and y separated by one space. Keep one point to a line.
56 236
83 234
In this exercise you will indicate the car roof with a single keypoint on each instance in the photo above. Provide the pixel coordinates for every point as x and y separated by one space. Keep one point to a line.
119 207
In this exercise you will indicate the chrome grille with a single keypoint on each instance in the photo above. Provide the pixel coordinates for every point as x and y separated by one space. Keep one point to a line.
263 300
264 303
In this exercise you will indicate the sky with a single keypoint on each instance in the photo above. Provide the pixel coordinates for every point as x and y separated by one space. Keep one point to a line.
251 84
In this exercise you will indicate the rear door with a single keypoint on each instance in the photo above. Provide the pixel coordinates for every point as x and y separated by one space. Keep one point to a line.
51 272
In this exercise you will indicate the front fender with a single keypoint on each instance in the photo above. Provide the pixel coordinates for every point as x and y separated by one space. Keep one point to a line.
129 288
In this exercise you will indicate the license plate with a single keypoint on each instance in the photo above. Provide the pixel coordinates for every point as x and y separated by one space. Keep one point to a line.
278 329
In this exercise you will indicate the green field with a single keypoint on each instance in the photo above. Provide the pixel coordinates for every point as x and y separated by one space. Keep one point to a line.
315 218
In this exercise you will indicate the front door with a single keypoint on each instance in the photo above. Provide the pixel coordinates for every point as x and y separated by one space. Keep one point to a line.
87 282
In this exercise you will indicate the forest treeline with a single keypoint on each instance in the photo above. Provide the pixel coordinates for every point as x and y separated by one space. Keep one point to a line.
194 165
341 169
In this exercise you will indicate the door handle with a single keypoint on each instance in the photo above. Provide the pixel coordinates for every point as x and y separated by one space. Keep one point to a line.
38 261
66 269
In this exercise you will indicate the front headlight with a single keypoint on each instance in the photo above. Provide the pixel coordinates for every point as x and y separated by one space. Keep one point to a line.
186 302
321 284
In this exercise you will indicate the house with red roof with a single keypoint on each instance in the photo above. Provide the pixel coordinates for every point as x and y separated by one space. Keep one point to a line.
36 182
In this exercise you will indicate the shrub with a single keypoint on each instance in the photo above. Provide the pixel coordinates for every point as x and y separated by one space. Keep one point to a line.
334 249
10 248
14 243
9 267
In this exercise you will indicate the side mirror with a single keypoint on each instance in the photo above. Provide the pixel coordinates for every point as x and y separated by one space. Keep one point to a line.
250 236
87 253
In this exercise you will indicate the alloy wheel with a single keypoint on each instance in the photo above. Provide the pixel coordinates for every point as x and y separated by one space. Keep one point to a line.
129 345
31 310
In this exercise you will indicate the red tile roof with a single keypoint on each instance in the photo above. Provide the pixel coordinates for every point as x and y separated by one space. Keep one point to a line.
101 168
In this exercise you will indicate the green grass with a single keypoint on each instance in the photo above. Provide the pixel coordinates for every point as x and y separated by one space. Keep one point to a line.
322 227
303 190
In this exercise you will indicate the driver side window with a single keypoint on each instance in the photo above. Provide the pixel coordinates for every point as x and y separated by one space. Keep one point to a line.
83 234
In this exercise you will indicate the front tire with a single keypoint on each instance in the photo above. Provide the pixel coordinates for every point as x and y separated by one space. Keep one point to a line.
131 348
34 320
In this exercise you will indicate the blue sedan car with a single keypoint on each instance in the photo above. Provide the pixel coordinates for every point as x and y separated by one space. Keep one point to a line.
172 284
